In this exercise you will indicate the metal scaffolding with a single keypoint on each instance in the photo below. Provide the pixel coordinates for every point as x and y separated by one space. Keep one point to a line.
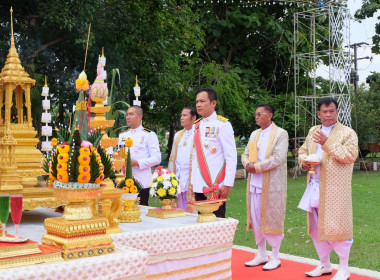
326 30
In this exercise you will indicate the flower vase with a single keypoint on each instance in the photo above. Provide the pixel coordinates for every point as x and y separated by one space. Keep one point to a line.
130 214
166 204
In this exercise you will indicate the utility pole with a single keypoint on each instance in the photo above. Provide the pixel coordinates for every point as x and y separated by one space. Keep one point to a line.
354 77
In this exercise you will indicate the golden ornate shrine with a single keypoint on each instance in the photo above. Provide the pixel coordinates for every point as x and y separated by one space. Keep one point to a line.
20 159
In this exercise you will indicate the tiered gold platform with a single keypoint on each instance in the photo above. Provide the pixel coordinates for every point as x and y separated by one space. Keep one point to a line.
77 239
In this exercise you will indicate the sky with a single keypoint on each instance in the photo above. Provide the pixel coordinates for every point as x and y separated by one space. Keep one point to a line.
363 32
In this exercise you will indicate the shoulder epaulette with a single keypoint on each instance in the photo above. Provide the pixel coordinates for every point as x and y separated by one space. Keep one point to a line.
146 130
222 119
198 120
125 130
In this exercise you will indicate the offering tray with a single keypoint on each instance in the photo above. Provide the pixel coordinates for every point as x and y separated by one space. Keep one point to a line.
9 239
312 164
206 209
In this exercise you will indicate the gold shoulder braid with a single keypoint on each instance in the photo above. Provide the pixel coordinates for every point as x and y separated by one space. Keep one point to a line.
198 120
222 119
146 130
125 130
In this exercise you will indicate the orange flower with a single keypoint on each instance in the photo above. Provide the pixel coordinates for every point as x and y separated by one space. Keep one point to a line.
54 142
84 159
84 169
129 182
84 151
84 178
126 190
82 84
63 158
63 177
133 189
52 177
128 142
62 167
63 149
99 179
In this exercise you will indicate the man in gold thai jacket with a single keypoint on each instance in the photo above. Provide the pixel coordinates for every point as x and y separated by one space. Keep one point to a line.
265 159
327 198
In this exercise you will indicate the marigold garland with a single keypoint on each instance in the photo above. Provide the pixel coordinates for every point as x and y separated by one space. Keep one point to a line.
128 142
82 84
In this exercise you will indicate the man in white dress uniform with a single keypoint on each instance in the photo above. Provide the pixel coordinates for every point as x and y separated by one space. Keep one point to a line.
180 156
145 152
265 159
214 155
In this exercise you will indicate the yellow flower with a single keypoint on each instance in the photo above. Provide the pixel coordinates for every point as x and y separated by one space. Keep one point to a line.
161 192
62 167
174 182
84 151
82 84
160 179
84 178
128 142
84 169
126 190
129 182
172 191
133 189
63 149
172 175
63 158
54 142
63 177
84 160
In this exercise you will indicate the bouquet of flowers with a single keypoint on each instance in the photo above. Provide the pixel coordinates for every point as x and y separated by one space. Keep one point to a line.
164 184
131 187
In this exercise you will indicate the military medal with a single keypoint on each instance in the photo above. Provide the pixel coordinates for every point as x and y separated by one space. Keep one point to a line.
207 144
214 150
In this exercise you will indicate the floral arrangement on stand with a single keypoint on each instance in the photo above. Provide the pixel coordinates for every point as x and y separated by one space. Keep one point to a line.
131 187
164 184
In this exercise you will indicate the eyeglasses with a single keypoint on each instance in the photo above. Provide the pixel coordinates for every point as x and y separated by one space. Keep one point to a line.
260 114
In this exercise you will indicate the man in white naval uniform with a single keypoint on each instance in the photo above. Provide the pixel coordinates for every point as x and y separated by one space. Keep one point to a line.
145 152
179 161
214 159
265 159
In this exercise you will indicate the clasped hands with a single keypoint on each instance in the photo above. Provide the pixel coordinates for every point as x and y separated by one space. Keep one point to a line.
320 138
250 167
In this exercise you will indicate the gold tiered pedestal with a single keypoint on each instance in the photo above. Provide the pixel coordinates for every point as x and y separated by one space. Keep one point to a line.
78 234
166 211
131 212
206 209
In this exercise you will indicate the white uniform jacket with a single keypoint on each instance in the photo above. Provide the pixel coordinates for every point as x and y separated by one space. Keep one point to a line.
145 150
218 144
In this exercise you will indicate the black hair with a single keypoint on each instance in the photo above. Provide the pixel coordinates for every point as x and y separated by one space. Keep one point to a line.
212 95
193 112
138 109
268 107
327 101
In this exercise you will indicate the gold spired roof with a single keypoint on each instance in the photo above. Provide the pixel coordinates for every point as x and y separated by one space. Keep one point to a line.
13 72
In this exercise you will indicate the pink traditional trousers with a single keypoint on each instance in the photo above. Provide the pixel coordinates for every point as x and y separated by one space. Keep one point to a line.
324 248
274 240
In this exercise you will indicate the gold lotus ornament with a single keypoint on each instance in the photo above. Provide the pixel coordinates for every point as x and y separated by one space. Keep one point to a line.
206 209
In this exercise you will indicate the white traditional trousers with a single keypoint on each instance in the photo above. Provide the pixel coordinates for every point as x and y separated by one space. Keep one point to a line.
274 240
324 248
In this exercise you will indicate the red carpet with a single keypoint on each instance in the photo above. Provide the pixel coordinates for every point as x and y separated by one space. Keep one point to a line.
289 270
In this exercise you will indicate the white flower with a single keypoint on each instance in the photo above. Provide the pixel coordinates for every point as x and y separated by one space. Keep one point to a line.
167 184
152 192
166 177
154 185
155 175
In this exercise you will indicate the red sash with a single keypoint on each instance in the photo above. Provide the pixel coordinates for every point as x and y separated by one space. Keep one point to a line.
211 188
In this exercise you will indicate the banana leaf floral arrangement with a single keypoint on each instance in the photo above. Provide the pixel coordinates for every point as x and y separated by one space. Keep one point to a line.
77 160
129 185
164 184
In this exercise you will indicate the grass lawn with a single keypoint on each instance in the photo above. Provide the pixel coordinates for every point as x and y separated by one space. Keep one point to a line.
365 251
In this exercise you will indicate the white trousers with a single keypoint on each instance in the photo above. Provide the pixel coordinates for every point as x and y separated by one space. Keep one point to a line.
274 240
324 248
